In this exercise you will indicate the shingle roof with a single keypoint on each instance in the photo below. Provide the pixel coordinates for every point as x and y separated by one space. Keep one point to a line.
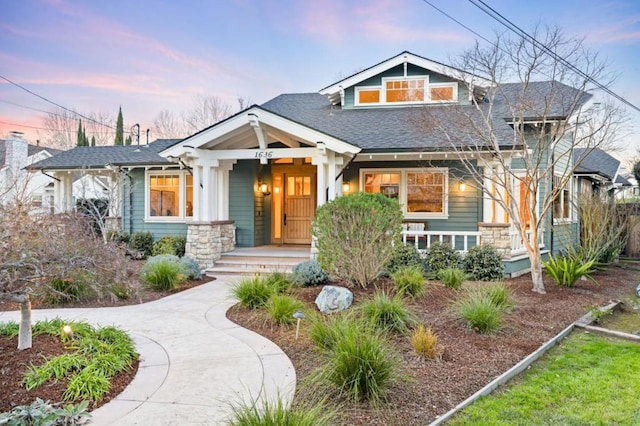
377 129
550 99
31 150
595 161
96 157
622 181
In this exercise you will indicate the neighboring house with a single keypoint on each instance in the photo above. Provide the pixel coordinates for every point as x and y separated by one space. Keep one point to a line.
16 183
598 170
257 178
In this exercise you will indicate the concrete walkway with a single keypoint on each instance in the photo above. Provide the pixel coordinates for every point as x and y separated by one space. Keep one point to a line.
193 361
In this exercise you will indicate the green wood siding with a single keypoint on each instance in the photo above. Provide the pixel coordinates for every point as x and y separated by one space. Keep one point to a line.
464 207
136 193
242 206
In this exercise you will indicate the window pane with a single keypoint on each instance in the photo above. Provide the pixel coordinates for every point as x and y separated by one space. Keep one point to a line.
369 96
384 183
441 93
164 195
306 190
425 192
189 196
405 91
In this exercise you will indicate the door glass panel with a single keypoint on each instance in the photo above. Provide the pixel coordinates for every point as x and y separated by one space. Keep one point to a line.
306 189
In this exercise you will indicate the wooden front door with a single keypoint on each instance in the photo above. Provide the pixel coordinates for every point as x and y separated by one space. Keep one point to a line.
299 207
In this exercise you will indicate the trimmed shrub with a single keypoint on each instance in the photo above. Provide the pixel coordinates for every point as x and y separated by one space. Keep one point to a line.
170 244
282 307
441 256
164 272
252 292
387 313
404 255
361 364
142 242
309 273
356 234
279 282
483 263
425 342
191 267
409 281
452 277
565 271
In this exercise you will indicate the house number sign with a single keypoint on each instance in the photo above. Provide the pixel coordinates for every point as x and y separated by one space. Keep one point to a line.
264 154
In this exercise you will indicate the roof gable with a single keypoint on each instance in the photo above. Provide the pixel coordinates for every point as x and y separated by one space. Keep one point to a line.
594 161
333 91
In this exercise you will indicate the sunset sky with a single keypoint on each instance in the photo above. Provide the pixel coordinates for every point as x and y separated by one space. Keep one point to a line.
148 56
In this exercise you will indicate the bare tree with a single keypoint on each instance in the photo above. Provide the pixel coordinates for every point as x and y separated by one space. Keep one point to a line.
516 140
204 111
62 127
36 251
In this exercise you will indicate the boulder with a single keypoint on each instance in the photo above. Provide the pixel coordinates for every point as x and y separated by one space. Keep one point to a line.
333 299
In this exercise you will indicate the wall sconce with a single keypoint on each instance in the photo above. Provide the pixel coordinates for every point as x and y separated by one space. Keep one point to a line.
264 188
345 188
462 186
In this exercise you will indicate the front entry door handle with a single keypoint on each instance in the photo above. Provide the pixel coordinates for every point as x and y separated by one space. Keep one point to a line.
285 219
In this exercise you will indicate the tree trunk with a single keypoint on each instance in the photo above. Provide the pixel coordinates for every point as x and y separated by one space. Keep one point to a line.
536 272
24 334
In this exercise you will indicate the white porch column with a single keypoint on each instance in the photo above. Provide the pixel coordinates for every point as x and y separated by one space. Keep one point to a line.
331 175
63 192
116 206
197 192
223 189
209 192
321 167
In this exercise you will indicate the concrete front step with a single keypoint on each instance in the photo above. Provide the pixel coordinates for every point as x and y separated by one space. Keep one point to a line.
252 265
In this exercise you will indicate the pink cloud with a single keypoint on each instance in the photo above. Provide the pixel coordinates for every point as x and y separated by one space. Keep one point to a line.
621 30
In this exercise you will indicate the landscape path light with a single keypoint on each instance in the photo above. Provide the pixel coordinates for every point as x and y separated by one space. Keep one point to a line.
299 316
68 331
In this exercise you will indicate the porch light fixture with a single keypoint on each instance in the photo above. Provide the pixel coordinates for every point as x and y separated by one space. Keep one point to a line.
264 188
345 188
462 186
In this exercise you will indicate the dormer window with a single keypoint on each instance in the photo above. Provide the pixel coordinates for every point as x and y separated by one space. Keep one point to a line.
413 90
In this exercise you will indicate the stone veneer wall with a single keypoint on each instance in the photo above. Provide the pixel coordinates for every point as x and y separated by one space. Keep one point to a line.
206 241
496 234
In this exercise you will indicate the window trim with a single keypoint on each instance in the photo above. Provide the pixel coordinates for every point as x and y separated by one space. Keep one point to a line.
569 188
182 194
402 194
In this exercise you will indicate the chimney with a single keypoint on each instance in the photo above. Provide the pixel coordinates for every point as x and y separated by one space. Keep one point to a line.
16 152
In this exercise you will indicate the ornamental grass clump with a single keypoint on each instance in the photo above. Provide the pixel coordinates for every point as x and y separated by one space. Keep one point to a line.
325 330
387 313
409 281
483 308
252 292
278 413
280 283
360 365
425 342
163 272
452 277
282 307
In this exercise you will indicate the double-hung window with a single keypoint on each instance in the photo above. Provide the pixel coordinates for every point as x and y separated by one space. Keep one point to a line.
421 192
169 195
562 201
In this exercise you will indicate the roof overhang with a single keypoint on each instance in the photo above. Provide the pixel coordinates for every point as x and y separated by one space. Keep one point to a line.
242 131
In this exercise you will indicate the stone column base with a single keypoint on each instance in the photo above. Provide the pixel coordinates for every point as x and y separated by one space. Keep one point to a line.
497 234
206 241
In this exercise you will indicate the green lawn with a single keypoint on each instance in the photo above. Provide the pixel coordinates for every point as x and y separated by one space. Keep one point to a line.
587 380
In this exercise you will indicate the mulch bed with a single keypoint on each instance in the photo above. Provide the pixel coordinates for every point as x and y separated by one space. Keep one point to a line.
14 363
432 387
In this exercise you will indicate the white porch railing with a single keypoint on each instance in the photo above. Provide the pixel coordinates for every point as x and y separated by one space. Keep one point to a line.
459 240
517 244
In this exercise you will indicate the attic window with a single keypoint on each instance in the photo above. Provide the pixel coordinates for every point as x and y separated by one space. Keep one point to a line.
404 90
412 90
368 96
443 92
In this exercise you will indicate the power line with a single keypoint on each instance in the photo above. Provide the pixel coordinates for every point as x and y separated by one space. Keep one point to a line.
484 7
58 130
54 103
